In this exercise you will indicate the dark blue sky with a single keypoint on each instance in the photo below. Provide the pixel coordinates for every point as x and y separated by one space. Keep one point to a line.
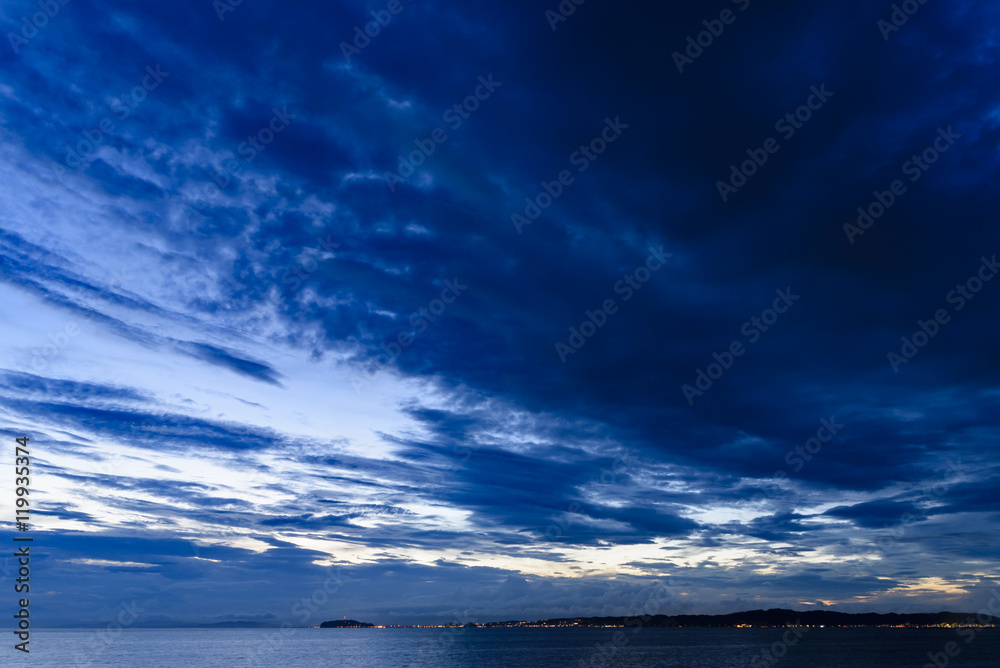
495 314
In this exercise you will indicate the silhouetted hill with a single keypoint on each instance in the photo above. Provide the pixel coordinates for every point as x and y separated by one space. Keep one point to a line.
773 617
345 624
237 625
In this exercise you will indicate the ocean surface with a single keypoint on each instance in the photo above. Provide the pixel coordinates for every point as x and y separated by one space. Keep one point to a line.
493 648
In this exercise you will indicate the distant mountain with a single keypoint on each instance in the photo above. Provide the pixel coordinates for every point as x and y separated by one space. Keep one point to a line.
237 625
171 624
345 624
773 617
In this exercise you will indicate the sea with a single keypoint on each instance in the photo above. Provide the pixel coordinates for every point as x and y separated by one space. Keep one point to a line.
502 647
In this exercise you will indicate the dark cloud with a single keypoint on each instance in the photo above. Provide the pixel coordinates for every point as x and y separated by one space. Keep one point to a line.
304 248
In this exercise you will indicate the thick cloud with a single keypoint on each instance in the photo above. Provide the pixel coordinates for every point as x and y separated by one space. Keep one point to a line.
230 331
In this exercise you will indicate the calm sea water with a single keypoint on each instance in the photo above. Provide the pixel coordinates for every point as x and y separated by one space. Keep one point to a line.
495 648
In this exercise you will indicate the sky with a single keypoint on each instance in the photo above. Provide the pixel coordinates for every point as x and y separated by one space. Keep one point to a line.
412 311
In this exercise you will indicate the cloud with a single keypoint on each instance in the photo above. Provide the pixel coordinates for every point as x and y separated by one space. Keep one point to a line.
227 297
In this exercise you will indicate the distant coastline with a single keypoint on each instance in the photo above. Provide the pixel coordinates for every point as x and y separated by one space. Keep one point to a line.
776 617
